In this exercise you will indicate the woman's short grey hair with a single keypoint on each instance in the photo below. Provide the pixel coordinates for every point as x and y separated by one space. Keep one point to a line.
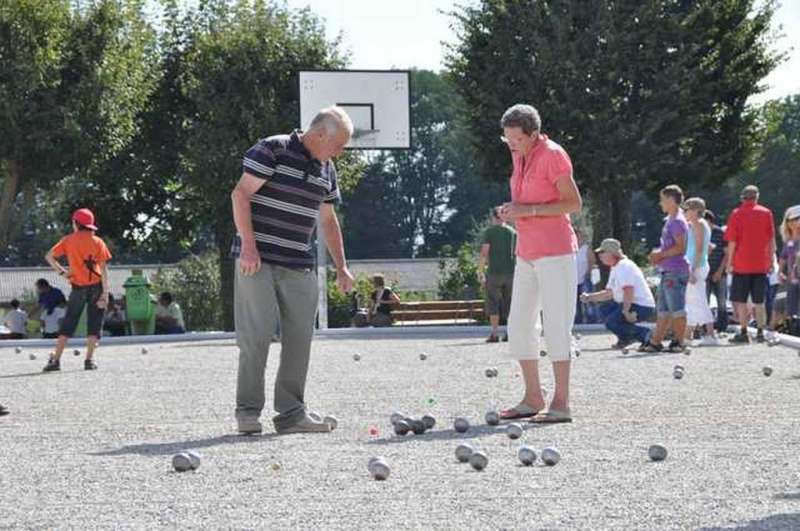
331 120
526 117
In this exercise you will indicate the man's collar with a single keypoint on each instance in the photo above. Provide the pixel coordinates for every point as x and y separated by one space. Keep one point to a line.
296 144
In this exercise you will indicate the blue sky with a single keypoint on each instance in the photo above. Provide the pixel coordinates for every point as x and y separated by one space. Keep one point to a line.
383 34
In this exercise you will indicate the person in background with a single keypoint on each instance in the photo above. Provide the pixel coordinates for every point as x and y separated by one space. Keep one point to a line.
497 248
776 309
382 298
627 299
751 248
49 297
789 262
585 261
671 260
116 322
698 312
169 316
16 320
51 321
87 256
717 280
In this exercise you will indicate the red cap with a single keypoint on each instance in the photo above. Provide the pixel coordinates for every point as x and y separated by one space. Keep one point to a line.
84 217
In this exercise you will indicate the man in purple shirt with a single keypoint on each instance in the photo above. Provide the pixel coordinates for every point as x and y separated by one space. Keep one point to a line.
674 267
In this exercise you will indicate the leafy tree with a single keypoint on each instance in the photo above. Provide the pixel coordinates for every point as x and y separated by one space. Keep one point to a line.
639 93
414 202
240 82
72 83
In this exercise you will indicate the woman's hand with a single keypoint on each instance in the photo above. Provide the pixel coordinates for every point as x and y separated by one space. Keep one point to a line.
513 211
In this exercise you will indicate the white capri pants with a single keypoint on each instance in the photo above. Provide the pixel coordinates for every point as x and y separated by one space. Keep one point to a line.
543 286
698 312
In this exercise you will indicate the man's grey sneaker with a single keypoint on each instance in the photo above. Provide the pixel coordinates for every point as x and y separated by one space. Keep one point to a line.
306 425
248 425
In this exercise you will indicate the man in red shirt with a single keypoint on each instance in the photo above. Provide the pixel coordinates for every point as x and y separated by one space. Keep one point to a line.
751 247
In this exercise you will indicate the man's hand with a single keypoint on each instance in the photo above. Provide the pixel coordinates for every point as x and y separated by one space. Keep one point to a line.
717 276
729 269
630 316
102 300
693 277
585 298
249 259
656 256
513 211
344 280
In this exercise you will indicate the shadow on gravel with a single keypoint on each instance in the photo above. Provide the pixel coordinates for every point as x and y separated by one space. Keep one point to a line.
170 448
792 496
26 374
776 521
468 344
475 432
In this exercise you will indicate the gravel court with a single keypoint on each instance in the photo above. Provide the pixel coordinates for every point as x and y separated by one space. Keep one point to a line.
92 450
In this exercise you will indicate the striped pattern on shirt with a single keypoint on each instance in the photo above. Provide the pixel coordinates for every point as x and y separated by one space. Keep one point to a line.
286 208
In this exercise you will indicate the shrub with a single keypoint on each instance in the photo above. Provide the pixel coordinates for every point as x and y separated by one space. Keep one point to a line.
194 284
458 279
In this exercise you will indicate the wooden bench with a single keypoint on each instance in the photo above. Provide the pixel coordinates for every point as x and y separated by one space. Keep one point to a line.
421 311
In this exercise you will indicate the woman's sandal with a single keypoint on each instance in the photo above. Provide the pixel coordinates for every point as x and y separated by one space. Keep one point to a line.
551 416
520 411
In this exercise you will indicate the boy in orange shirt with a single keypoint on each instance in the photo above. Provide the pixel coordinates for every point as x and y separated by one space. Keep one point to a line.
87 256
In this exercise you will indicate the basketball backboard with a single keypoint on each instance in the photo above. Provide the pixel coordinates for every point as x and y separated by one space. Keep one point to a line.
378 102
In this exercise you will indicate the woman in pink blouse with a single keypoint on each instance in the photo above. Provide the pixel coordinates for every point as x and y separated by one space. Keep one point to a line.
543 195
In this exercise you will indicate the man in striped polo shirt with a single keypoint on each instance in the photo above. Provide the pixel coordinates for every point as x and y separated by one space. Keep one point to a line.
287 183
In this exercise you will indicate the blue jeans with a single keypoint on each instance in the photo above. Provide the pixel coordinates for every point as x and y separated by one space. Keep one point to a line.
585 313
611 313
720 291
671 297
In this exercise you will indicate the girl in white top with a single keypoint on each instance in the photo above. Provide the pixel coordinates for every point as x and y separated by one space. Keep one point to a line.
698 312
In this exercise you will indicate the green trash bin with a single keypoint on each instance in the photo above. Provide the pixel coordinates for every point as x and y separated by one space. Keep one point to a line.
140 304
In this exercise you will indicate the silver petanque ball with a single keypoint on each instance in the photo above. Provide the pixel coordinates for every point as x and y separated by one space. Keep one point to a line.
550 456
767 370
194 458
331 421
657 452
379 469
429 421
396 417
182 462
356 357
526 455
478 460
514 431
461 425
492 418
464 451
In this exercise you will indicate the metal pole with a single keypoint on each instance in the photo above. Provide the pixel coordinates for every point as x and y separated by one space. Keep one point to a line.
322 306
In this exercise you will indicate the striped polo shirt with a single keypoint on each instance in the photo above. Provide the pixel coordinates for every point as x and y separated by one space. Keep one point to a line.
286 207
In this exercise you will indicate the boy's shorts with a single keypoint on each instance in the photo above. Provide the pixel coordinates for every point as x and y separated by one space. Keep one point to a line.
79 298
671 297
747 285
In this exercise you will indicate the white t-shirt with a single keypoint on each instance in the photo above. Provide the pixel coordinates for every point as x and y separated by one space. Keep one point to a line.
51 324
774 278
627 273
16 320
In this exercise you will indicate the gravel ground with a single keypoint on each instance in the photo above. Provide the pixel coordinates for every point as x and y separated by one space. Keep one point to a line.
92 450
